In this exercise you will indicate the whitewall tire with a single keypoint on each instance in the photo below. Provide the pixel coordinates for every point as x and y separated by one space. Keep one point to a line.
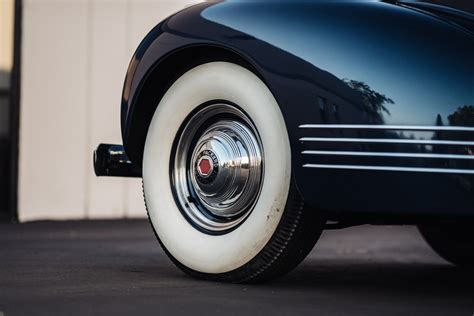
244 236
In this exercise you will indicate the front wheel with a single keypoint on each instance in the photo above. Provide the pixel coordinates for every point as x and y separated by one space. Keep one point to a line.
217 179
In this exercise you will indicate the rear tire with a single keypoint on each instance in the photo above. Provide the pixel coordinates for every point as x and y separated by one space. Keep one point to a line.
454 242
274 231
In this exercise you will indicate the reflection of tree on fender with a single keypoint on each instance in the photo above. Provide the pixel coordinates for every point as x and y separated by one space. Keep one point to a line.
464 116
374 102
374 106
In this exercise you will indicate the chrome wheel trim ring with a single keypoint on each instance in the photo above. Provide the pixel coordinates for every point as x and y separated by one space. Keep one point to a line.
217 194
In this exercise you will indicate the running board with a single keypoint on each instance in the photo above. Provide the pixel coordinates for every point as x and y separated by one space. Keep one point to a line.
112 161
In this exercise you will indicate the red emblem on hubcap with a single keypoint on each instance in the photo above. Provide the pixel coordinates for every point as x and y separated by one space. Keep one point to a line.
205 166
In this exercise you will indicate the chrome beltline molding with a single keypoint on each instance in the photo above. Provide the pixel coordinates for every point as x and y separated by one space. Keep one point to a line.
389 127
386 154
388 140
389 168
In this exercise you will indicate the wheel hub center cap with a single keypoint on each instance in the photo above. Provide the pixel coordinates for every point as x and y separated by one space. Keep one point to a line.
226 168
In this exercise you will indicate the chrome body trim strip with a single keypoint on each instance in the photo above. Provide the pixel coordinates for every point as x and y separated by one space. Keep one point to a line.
389 168
385 154
390 127
388 140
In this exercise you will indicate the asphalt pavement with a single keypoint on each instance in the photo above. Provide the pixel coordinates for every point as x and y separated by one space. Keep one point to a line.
118 268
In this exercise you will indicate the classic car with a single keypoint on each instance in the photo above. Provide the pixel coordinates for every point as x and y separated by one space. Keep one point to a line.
256 125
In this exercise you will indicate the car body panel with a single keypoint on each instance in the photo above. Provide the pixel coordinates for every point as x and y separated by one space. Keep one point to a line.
352 63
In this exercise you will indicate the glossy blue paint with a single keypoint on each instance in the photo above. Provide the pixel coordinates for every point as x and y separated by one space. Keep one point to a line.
403 58
338 62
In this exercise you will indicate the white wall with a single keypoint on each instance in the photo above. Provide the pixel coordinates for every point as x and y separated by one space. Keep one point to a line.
74 58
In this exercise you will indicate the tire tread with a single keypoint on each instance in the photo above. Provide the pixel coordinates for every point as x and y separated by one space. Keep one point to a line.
295 236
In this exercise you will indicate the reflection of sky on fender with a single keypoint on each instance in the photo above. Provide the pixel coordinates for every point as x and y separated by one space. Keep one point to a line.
356 43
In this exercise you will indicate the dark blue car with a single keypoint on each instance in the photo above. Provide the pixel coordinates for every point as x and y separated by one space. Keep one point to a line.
258 124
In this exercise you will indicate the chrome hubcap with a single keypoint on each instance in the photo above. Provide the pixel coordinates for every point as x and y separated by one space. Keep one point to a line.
226 168
218 167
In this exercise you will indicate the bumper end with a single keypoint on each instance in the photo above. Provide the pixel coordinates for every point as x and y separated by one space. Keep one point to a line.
112 161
